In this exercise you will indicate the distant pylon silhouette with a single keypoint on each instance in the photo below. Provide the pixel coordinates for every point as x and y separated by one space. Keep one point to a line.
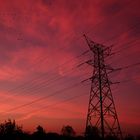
101 109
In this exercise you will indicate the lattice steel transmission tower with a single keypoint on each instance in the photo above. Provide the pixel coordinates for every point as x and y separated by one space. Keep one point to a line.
101 110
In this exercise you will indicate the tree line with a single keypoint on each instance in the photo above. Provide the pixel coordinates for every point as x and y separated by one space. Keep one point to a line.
9 130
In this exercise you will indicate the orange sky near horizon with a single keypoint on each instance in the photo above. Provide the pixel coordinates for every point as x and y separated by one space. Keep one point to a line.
38 36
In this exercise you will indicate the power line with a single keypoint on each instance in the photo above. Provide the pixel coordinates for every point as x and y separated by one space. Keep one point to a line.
58 103
117 36
96 25
128 80
129 66
43 98
36 88
37 78
128 45
61 102
83 53
69 99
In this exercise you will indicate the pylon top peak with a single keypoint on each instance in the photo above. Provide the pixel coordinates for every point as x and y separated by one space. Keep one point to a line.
98 48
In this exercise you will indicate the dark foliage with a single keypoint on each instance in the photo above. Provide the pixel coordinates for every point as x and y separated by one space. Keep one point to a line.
92 133
68 131
39 134
9 130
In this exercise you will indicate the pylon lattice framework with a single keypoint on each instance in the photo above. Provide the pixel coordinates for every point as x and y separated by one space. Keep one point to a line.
101 110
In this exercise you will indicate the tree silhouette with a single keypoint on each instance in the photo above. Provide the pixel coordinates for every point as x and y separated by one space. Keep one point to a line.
40 129
9 130
39 134
68 131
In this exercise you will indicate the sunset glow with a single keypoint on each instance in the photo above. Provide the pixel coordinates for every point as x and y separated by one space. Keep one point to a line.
39 44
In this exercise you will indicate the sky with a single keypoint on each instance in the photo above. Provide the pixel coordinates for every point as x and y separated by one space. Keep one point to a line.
41 46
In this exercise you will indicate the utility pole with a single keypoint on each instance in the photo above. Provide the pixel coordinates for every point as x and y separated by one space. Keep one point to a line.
101 109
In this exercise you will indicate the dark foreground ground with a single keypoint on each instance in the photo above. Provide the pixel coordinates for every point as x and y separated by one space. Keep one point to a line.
53 136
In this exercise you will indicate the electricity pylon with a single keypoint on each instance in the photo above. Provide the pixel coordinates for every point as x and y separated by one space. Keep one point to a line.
101 109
